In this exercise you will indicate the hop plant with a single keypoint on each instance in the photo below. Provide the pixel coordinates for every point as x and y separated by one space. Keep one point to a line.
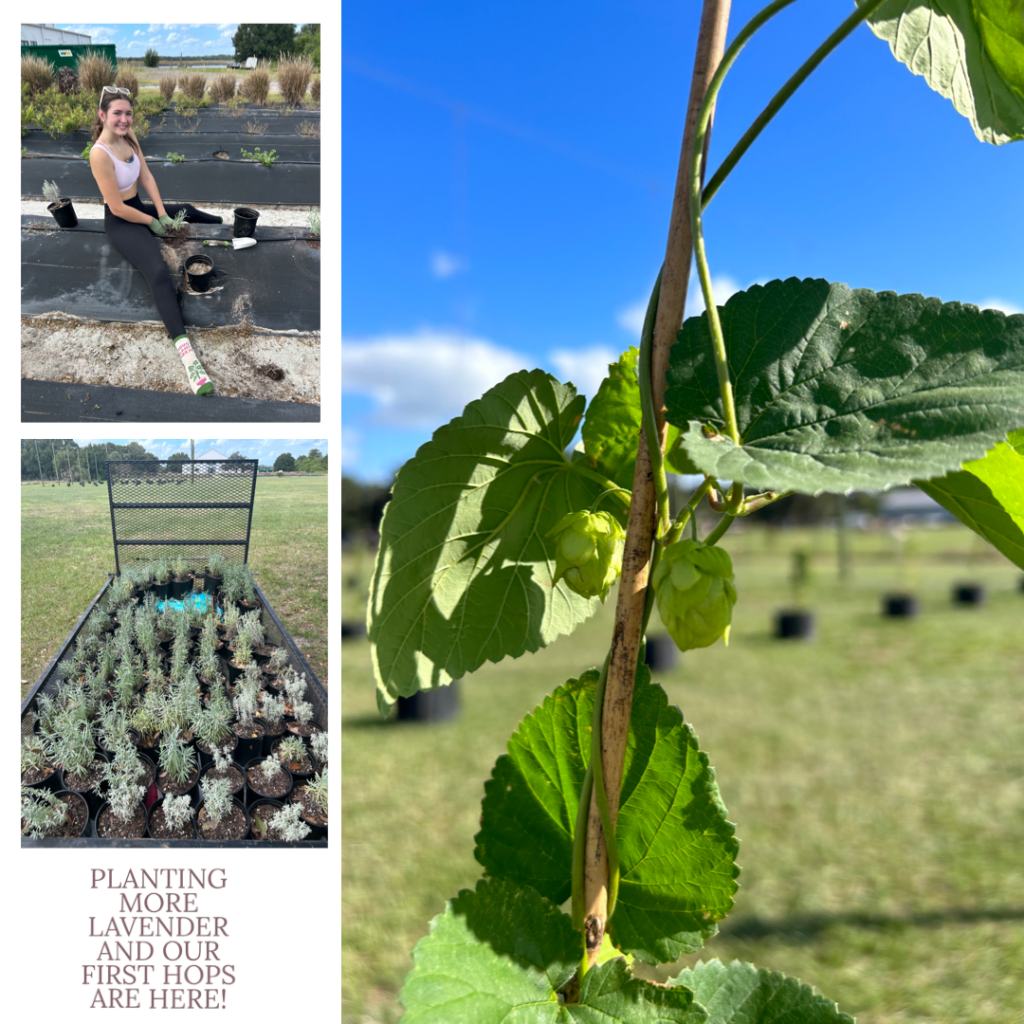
588 552
696 591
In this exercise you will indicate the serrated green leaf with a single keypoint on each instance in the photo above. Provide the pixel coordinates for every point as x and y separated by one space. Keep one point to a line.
838 389
464 570
988 495
677 878
500 954
611 429
970 51
741 994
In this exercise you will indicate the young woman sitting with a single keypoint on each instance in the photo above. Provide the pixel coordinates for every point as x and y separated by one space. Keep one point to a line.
133 226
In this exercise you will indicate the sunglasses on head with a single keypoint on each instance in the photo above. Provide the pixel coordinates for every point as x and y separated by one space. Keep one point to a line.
116 89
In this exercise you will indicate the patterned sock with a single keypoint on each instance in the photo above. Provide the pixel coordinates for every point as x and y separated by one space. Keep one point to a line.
197 378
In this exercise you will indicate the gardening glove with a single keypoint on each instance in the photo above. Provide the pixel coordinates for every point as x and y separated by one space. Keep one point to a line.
588 552
694 585
156 227
165 220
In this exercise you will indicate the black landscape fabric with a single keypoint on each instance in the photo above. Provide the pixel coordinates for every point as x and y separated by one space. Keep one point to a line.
213 181
192 147
46 402
275 284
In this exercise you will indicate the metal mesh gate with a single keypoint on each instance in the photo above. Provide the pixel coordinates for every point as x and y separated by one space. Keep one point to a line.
165 507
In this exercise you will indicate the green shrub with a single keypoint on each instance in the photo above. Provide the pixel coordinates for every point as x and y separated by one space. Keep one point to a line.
94 71
152 59
176 158
127 79
293 75
36 73
167 86
256 85
222 89
262 156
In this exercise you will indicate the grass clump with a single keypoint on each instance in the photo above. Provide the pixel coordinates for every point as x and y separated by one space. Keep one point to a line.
313 221
222 88
37 74
168 83
94 71
193 86
309 129
256 86
293 75
127 79
255 127
314 89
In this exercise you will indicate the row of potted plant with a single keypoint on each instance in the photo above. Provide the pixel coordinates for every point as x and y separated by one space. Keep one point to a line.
167 707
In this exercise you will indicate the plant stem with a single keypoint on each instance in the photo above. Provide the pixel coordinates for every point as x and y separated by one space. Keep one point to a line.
779 99
649 418
610 746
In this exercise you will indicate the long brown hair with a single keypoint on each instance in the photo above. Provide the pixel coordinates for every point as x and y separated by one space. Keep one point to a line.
106 98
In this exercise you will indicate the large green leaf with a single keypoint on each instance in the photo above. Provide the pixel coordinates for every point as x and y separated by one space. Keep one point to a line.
838 389
464 570
500 954
970 51
611 429
742 994
988 495
677 849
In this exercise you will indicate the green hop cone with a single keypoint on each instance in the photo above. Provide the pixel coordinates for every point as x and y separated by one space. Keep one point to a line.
694 586
588 552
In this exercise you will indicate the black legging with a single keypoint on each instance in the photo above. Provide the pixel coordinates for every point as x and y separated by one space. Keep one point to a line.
141 248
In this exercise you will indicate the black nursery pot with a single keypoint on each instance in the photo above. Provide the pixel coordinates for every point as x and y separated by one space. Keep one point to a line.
93 797
661 653
205 758
161 590
900 606
211 584
794 625
252 794
969 594
64 214
245 222
180 589
199 270
440 705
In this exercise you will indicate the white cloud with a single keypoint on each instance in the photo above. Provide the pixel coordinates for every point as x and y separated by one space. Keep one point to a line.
632 318
995 303
444 264
584 367
137 32
173 37
190 41
349 447
426 378
226 25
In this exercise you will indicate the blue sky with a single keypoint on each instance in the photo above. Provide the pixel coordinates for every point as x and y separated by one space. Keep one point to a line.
508 178
168 40
264 449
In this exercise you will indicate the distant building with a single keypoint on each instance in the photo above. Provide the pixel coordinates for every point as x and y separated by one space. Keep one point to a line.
910 505
50 35
211 456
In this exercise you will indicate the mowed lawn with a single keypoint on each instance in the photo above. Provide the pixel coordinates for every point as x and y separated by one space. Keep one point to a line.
67 550
875 776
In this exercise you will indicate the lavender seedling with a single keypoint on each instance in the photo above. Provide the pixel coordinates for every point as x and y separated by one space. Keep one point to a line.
34 754
291 750
272 710
216 801
251 629
122 773
212 725
42 812
288 824
231 615
221 758
246 706
270 768
278 660
243 651
178 759
317 789
318 741
177 811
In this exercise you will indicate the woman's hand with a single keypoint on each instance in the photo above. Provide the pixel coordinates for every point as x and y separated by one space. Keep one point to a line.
165 220
157 227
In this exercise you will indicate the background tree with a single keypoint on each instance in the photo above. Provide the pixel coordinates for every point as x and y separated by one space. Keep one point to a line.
285 462
308 42
176 457
263 41
237 455
152 59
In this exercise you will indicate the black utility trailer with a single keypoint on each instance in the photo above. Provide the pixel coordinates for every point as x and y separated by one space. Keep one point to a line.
168 507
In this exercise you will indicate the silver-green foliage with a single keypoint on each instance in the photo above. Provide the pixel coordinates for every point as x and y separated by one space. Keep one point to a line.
217 799
287 824
42 813
177 811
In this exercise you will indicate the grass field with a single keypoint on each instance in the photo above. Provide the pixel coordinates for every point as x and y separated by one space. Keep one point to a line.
875 776
67 550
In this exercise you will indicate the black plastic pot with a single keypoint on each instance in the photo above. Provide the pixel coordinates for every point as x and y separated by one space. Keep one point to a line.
235 792
93 797
211 584
161 590
94 823
87 827
248 747
254 809
149 821
794 625
353 629
64 214
238 803
900 606
252 795
199 270
440 705
245 222
51 782
661 653
205 758
972 594
180 589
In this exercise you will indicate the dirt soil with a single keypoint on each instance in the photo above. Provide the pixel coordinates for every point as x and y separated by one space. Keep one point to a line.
240 360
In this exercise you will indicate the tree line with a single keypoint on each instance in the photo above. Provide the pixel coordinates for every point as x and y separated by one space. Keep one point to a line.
56 459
